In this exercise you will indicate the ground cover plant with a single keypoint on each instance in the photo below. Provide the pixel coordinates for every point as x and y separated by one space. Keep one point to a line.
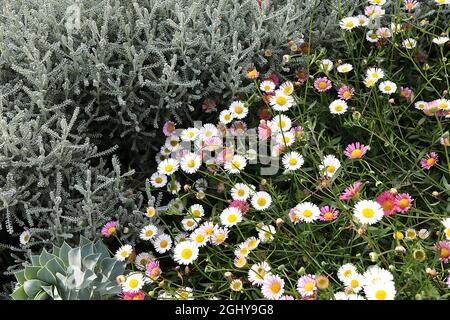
326 179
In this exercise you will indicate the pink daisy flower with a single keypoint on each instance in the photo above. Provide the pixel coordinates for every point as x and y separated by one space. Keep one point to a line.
264 131
405 92
346 92
328 213
410 4
109 229
355 150
443 248
294 215
238 128
241 205
387 201
133 295
169 128
153 270
298 132
351 191
301 75
403 202
430 160
322 84
212 143
306 285
225 155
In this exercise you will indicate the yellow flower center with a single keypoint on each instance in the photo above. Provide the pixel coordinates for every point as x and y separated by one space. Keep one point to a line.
196 213
238 109
281 100
163 243
322 85
368 212
252 73
261 202
232 218
190 223
235 164
339 108
241 192
309 286
158 179
293 161
346 94
445 253
387 87
111 230
347 273
199 238
349 24
149 233
275 287
403 203
168 167
186 253
380 295
307 213
191 163
174 143
124 253
387 205
328 216
151 212
356 153
227 116
354 283
430 161
287 90
331 168
133 283
252 243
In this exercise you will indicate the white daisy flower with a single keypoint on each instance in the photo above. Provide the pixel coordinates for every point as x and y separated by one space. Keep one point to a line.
344 68
251 243
238 110
241 250
420 105
377 2
261 200
442 2
123 252
151 212
241 191
226 116
182 236
384 33
272 287
267 86
409 43
308 212
387 87
257 273
266 233
354 282
236 285
24 237
446 224
198 237
185 252
368 211
346 271
168 167
189 134
349 23
375 73
285 138
196 210
219 236
281 101
133 283
231 216
280 123
384 291
287 88
293 161
375 275
338 107
148 232
162 243
173 187
330 164
190 163
236 164
371 36
443 104
189 224
172 144
363 20
142 259
208 229
208 131
440 40
326 65
158 180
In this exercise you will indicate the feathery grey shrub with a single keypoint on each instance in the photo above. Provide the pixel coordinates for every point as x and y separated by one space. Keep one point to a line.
128 65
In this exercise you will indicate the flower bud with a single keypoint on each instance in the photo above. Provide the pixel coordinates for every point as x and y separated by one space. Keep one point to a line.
228 275
279 222
423 234
373 256
419 255
400 249
120 279
393 191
